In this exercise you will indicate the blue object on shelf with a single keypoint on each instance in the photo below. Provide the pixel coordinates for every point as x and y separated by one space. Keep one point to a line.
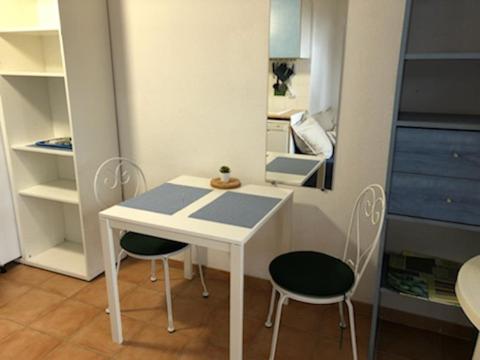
57 143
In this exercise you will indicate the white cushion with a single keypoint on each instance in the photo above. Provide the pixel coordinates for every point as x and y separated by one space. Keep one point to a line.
297 117
326 119
310 136
332 135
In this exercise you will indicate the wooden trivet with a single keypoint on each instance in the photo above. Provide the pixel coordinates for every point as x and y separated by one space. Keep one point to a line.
233 183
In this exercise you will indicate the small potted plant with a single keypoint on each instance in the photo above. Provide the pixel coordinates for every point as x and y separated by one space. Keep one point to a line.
225 173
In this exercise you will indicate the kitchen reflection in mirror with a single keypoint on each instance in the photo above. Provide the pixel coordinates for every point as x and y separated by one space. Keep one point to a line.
306 60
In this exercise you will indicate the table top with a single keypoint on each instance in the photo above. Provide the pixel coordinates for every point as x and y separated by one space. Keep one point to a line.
468 290
191 206
295 177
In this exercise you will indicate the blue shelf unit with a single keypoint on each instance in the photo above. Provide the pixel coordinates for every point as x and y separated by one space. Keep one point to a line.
433 182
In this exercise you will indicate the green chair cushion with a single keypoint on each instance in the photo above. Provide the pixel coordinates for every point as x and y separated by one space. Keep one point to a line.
145 245
311 273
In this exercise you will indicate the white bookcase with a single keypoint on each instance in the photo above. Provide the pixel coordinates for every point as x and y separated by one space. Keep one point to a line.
10 249
56 80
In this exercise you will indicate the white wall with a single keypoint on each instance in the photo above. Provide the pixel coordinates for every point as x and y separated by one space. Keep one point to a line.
191 86
191 83
299 86
316 83
328 37
191 80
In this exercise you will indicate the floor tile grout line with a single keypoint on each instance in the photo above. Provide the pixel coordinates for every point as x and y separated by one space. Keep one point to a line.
62 340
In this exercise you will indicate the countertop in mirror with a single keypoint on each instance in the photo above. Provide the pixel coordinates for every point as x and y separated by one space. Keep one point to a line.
283 115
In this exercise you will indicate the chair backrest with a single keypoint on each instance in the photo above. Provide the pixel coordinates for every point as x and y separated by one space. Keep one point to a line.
365 229
113 174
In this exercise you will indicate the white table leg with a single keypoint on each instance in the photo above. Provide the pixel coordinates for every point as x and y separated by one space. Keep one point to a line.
286 236
187 264
109 258
236 301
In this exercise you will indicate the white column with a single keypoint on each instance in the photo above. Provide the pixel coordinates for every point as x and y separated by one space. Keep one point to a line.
111 279
236 301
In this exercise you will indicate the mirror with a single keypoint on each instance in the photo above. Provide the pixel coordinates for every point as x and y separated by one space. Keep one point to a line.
307 39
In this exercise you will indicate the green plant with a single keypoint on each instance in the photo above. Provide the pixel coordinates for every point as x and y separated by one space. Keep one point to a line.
225 170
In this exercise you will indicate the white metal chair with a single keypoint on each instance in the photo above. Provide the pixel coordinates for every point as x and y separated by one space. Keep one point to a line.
111 175
318 278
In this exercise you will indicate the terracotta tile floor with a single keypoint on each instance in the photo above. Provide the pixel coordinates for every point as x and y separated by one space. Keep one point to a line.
49 316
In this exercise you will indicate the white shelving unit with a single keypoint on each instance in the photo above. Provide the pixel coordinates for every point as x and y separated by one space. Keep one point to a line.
42 150
31 73
56 81
10 248
64 191
28 30
31 52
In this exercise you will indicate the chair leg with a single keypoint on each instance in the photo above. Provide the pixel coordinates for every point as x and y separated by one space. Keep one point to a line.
342 315
202 279
342 323
278 316
168 295
119 261
153 271
268 323
353 337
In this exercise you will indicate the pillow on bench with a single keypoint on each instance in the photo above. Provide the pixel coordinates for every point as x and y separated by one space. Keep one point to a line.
309 135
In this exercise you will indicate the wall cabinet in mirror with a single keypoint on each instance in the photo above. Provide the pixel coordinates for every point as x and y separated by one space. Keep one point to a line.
290 28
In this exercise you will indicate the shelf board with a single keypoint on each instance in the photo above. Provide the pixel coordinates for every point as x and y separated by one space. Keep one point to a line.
443 56
413 297
411 305
31 73
417 220
43 150
67 258
30 31
63 191
439 121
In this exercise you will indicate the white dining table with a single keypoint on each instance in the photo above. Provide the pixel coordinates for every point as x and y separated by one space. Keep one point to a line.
220 219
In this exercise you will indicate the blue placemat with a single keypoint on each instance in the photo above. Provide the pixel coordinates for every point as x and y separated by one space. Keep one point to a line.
166 199
238 209
291 166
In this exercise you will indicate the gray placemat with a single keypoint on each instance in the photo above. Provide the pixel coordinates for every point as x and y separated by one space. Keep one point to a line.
291 166
166 198
238 209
